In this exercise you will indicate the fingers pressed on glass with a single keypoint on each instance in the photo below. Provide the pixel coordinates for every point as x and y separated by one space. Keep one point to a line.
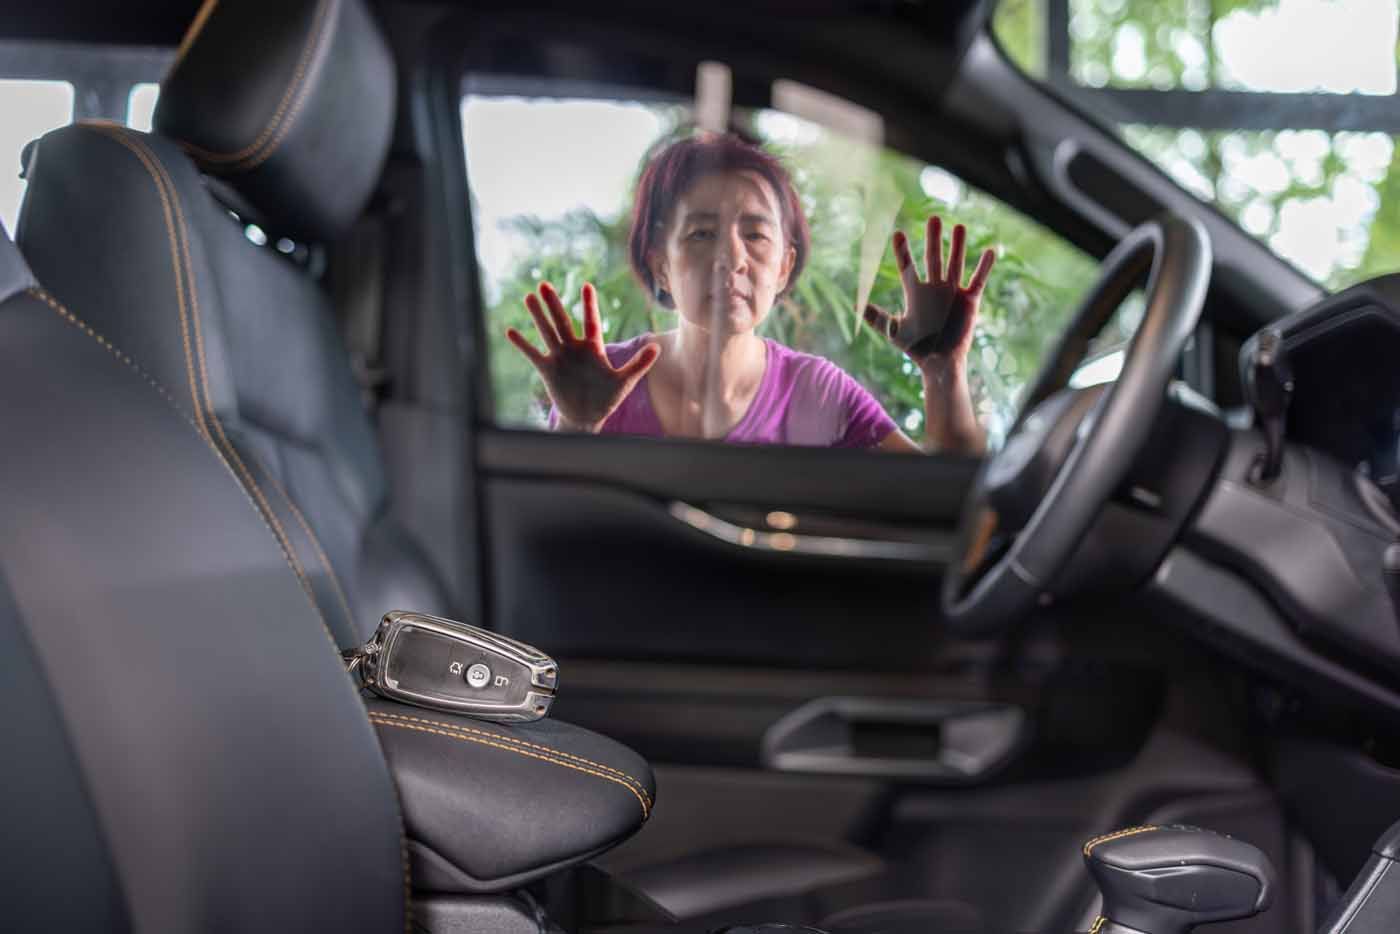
542 323
557 314
905 261
592 322
641 362
956 253
522 343
881 320
933 248
983 270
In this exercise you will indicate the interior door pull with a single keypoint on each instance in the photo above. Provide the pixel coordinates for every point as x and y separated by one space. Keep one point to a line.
938 742
802 544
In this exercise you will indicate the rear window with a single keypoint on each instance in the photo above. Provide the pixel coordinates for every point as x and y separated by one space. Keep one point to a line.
46 85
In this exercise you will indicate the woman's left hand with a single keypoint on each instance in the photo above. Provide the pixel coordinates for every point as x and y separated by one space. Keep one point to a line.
939 314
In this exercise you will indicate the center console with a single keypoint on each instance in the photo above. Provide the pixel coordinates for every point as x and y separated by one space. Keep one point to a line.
490 807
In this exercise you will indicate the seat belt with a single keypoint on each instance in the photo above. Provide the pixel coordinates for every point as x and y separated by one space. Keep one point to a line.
357 287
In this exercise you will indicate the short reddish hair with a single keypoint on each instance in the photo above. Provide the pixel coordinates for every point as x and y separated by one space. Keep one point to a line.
672 171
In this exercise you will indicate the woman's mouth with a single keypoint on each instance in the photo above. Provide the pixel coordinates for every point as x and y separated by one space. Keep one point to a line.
729 295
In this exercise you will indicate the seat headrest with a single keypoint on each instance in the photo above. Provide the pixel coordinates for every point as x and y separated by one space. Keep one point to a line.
290 103
14 271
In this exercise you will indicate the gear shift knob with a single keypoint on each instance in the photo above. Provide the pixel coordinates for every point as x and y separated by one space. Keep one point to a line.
1168 879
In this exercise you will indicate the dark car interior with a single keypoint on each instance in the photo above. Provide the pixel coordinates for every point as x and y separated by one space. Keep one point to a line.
1136 670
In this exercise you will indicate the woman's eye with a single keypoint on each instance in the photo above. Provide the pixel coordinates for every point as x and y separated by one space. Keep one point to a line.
700 235
756 235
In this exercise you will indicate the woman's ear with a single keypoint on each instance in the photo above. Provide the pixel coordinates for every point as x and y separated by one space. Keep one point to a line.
660 275
789 260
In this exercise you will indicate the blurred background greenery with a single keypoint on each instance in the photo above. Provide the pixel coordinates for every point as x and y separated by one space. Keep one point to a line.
1328 202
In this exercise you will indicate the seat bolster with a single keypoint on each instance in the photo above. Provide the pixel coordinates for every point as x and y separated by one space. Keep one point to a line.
489 806
231 769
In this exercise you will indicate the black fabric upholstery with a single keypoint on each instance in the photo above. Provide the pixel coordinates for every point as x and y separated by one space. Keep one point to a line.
304 93
490 806
118 225
230 767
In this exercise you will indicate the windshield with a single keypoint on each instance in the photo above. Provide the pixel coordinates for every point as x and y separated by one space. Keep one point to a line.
1281 113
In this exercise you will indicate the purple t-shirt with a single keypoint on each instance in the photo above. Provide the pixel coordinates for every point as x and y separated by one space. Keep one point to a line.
803 399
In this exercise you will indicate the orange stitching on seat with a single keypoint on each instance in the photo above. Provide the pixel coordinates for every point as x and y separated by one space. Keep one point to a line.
297 86
213 415
209 395
163 181
646 811
1118 835
87 329
1099 922
315 542
116 134
191 34
511 739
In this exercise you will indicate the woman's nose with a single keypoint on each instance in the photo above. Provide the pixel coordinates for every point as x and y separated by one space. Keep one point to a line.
731 255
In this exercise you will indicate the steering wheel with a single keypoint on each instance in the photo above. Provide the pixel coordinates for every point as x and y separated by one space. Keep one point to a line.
1070 449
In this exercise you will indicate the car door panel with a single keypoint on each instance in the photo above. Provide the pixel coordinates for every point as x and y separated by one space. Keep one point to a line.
691 645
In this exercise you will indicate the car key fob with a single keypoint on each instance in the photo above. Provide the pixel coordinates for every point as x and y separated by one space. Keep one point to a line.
445 665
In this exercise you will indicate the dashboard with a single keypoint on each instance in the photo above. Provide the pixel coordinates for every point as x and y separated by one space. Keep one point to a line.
1344 354
1291 570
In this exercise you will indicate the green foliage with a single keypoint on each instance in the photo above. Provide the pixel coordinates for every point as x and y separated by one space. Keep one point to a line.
1236 170
1032 289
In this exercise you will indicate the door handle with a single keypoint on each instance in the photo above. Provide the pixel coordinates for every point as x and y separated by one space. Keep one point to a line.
934 551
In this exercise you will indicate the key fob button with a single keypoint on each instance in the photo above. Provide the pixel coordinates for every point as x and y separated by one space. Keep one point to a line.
447 665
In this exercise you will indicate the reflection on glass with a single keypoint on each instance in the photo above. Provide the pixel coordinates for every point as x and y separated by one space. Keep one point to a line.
31 109
541 215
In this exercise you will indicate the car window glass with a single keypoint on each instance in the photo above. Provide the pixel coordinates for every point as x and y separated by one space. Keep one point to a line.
31 109
552 182
141 105
1284 114
45 85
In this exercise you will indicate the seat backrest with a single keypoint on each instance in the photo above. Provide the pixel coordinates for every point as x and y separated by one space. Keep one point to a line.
287 108
182 748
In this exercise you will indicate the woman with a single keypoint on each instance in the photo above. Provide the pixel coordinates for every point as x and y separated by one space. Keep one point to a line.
718 234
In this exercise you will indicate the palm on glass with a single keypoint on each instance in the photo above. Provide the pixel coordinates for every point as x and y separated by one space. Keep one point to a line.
939 313
583 384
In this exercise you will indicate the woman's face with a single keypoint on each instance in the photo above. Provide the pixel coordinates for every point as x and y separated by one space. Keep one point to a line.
725 257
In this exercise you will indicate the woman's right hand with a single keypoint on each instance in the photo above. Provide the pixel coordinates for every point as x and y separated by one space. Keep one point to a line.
583 384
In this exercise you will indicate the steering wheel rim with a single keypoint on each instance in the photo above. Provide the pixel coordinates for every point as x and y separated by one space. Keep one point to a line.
1176 251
